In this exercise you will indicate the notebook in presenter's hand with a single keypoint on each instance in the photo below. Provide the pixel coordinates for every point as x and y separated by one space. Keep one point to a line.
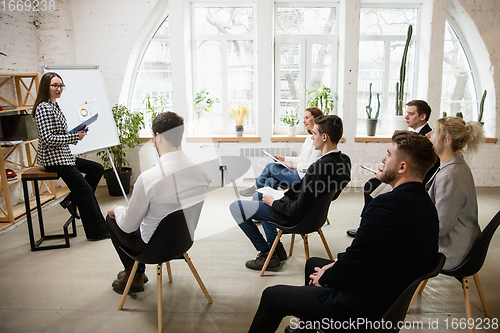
83 124
275 159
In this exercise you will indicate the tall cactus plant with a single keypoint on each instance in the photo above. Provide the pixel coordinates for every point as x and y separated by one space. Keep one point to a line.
400 86
481 107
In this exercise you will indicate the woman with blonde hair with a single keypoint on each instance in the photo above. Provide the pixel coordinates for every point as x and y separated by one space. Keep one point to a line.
452 188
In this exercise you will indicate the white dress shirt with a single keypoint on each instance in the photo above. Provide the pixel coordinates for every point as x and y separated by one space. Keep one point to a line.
308 155
174 183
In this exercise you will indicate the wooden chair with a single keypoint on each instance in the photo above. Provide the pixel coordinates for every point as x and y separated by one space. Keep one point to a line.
171 240
470 267
312 222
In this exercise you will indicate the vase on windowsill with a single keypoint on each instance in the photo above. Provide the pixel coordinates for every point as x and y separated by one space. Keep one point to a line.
239 130
371 126
291 130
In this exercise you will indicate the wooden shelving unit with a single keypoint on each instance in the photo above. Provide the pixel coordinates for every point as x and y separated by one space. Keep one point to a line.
25 88
25 85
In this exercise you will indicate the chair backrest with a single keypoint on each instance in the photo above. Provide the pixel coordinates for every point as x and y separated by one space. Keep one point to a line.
173 237
397 312
315 218
475 259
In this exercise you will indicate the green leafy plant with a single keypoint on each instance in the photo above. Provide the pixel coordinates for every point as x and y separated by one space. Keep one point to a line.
322 97
445 114
291 118
481 107
459 115
128 124
203 103
368 108
155 105
400 86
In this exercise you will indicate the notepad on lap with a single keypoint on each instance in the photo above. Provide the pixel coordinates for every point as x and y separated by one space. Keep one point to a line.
83 124
272 192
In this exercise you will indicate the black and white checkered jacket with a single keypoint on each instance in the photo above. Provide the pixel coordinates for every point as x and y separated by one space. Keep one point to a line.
53 136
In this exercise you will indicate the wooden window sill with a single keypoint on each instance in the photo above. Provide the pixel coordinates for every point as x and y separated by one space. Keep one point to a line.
244 138
388 139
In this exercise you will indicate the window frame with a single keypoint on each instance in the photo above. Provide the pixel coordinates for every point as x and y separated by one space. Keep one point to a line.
385 121
306 41
223 39
472 66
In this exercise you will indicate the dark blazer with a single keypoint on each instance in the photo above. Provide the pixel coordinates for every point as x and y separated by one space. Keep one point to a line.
331 172
426 129
396 242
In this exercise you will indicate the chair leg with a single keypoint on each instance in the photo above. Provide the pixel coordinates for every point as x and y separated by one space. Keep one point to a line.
129 283
306 246
417 291
197 277
481 295
320 232
327 221
468 310
421 287
160 293
291 244
273 248
169 271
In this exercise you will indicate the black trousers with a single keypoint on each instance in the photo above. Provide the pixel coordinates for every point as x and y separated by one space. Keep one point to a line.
280 301
132 242
82 193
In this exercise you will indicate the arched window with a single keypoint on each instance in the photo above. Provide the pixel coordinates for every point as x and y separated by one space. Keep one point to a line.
154 76
459 95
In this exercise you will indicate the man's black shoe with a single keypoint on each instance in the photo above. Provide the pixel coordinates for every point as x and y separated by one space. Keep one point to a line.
121 274
289 329
258 262
351 232
281 252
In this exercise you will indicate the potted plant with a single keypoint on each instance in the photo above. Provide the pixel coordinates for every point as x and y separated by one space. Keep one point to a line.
371 122
291 120
400 122
203 103
155 105
323 97
128 124
239 114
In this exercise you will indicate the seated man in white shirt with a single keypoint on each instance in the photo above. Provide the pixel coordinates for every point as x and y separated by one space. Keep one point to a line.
174 183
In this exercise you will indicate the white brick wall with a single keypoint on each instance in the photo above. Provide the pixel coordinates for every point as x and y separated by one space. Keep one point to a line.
18 40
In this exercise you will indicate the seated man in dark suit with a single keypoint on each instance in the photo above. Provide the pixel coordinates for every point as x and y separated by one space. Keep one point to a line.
417 116
330 172
396 243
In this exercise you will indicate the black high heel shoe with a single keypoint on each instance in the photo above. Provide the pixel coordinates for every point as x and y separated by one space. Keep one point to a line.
71 207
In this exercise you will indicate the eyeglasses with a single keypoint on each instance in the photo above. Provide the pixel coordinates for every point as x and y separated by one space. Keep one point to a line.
58 86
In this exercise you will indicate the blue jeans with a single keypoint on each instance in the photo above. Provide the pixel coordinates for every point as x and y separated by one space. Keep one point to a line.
274 174
244 212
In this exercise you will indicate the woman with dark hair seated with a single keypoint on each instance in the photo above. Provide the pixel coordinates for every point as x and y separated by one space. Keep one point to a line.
275 174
